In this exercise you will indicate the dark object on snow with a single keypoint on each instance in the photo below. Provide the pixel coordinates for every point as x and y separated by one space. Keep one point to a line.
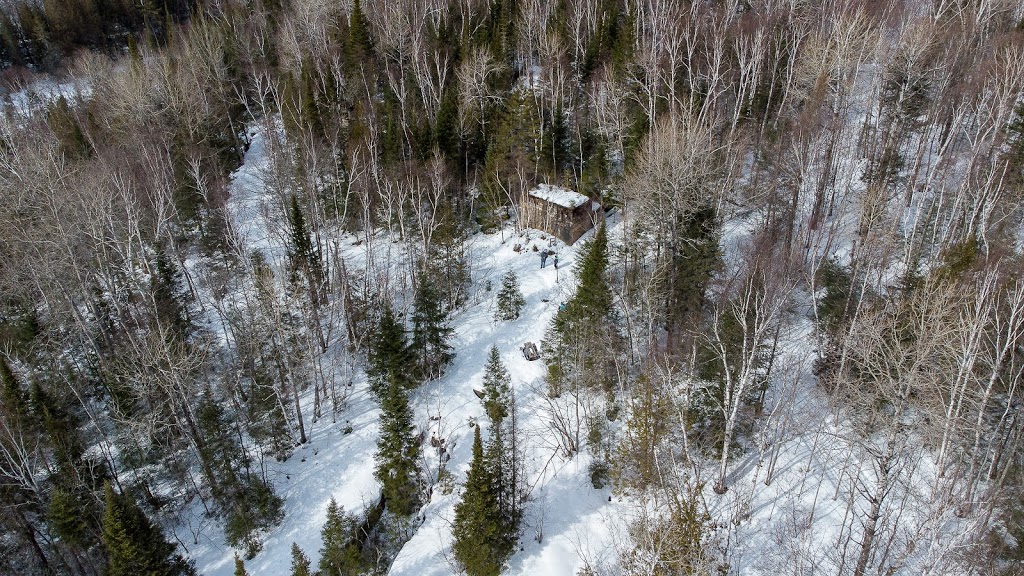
517 248
543 258
530 351
479 393
556 261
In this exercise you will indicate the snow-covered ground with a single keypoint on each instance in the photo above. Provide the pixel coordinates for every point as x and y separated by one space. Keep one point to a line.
793 494
41 93
564 509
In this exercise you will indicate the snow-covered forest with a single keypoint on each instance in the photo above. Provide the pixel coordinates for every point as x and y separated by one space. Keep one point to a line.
269 285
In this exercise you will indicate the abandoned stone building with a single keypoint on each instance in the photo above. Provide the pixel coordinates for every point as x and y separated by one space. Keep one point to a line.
560 212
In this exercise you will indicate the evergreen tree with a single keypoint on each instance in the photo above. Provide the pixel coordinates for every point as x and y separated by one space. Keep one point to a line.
582 342
446 129
300 563
72 513
593 298
500 457
510 298
694 260
497 391
305 258
390 357
340 553
397 452
360 43
481 542
430 331
240 567
74 504
168 298
244 498
309 107
59 426
15 399
73 143
515 144
136 546
307 263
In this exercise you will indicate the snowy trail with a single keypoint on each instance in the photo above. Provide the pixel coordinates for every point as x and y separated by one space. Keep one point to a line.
564 508
563 502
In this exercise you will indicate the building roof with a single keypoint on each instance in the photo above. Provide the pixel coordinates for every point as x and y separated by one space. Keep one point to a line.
561 196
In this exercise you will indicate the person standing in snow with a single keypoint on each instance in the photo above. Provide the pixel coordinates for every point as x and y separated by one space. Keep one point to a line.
556 261
543 258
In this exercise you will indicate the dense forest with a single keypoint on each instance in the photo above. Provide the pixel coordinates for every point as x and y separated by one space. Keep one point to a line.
794 345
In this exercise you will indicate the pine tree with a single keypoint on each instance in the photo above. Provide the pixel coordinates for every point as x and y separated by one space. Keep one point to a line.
240 566
481 543
430 331
510 298
135 546
397 452
300 563
307 263
497 391
339 555
390 357
60 427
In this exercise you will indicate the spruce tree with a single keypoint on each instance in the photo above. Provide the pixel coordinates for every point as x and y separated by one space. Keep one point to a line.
74 507
360 43
446 128
430 331
593 298
497 391
339 555
481 543
300 563
72 512
305 258
582 341
136 546
694 261
168 298
390 357
244 498
59 426
510 298
501 461
240 567
15 399
397 452
73 142
500 458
